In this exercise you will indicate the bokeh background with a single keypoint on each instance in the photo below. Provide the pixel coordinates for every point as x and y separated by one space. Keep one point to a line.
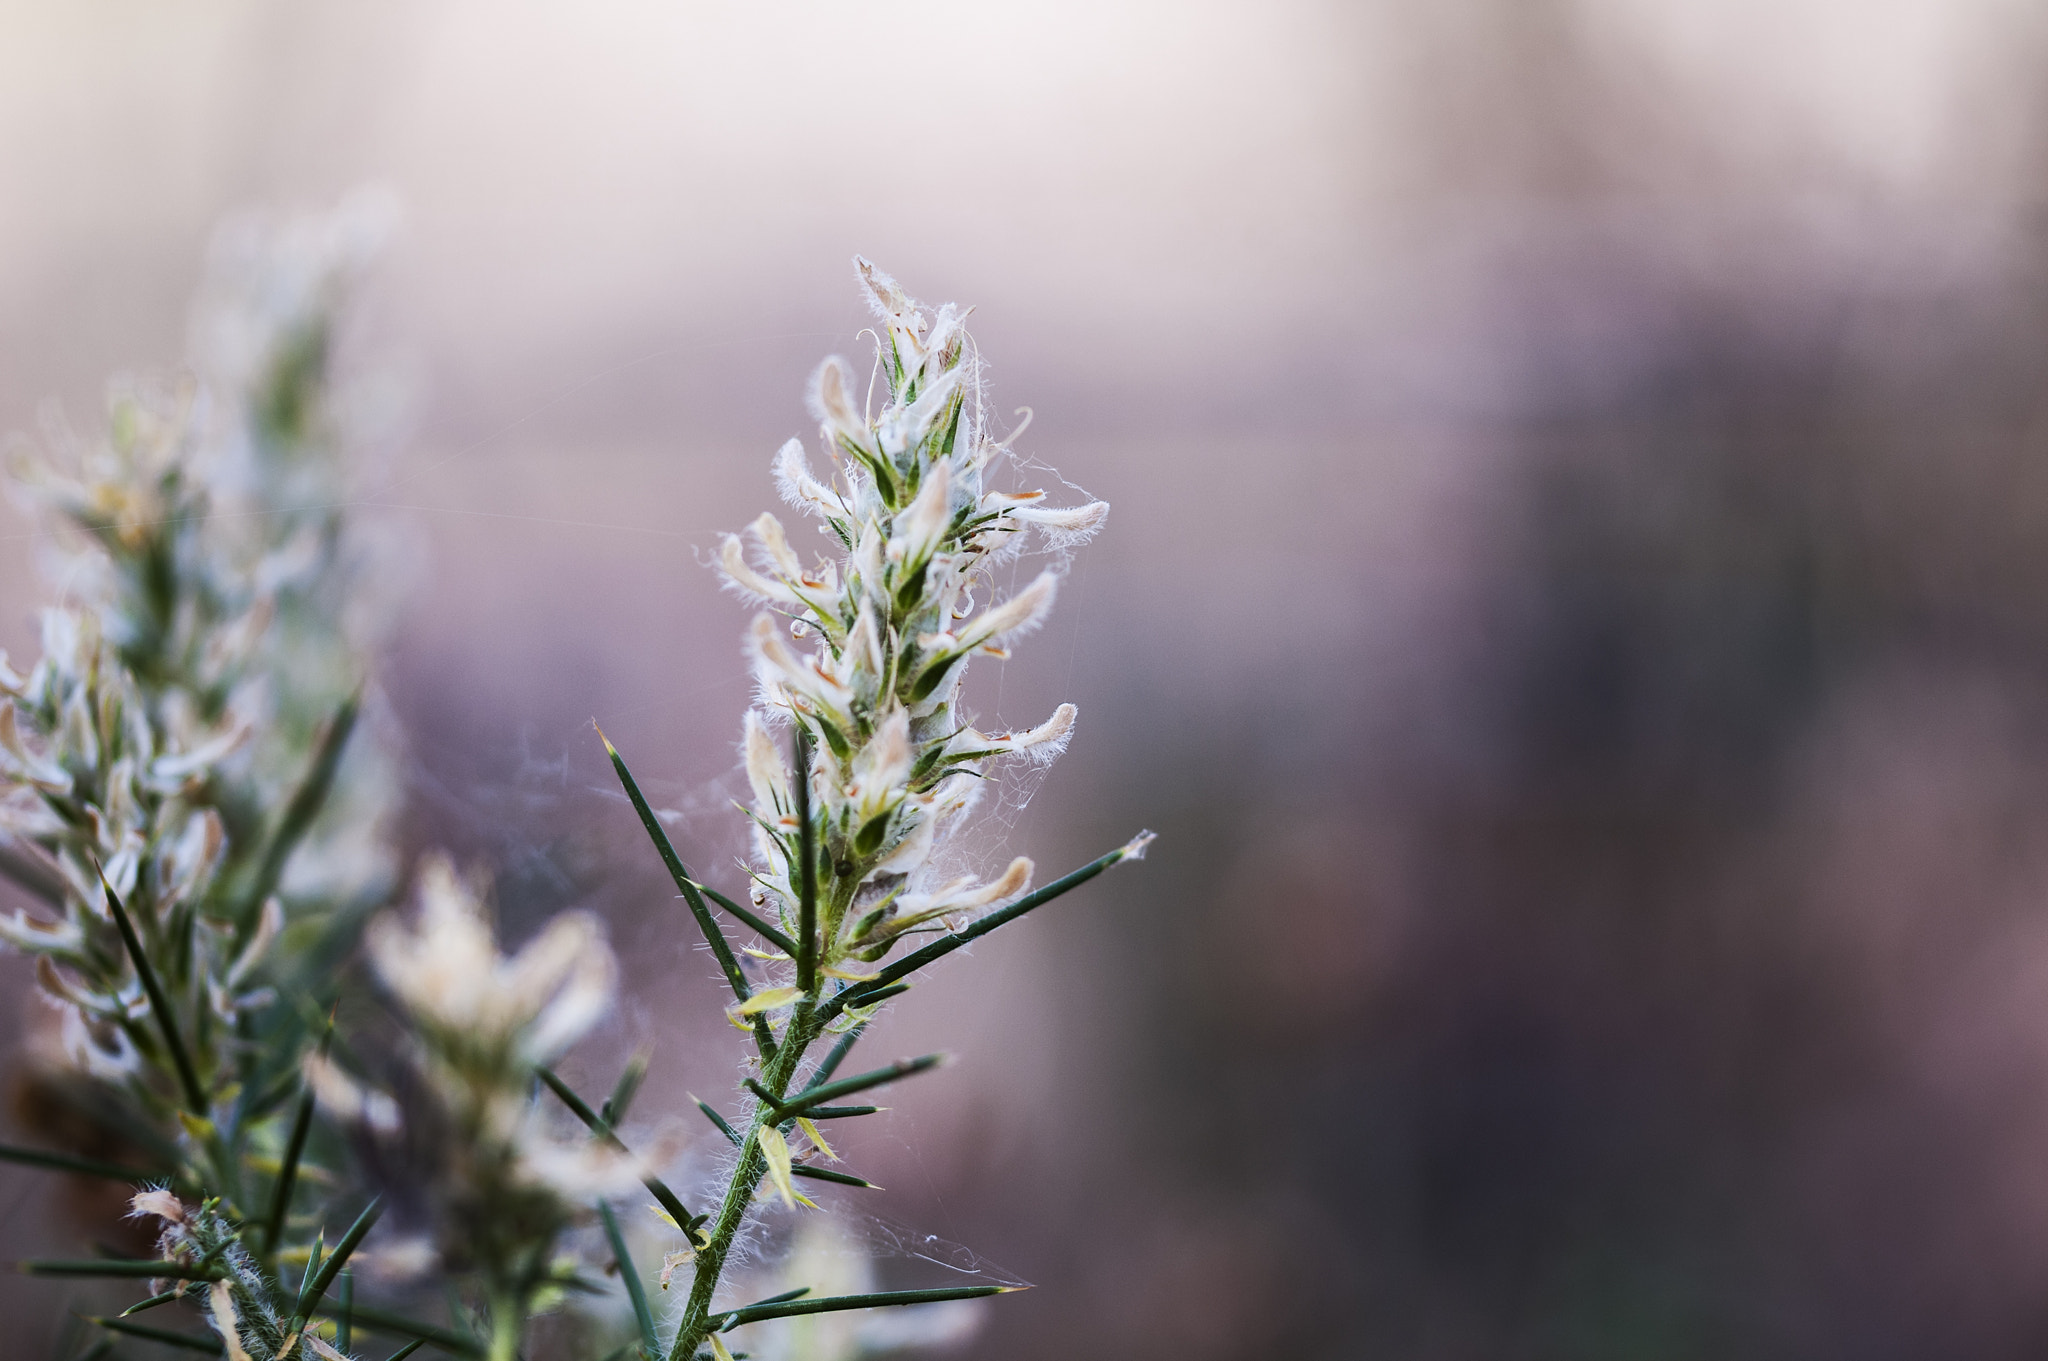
1575 609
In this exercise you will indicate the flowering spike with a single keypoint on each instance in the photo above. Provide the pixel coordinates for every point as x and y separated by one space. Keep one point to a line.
864 658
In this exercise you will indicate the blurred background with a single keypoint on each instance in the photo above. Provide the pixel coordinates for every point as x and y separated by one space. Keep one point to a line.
1575 608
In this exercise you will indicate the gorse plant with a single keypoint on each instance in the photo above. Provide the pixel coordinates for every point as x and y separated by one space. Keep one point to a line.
482 1190
184 797
173 752
186 789
885 766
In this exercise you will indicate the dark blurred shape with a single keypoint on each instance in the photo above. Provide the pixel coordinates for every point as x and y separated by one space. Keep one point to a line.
1704 1014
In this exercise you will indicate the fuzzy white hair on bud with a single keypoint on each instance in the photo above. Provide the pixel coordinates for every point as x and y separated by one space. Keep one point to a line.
1044 744
1018 615
799 488
740 575
768 530
766 771
884 294
922 526
159 1202
1064 526
831 401
776 667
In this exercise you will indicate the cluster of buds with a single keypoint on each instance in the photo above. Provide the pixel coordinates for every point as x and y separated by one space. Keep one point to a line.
200 1253
893 763
116 801
175 758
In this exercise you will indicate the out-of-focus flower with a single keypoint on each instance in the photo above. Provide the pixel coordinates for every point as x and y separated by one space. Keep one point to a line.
188 737
449 976
463 1151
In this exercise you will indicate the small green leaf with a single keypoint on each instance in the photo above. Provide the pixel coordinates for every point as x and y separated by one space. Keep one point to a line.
933 676
719 1121
636 1289
767 1309
615 1106
842 750
795 1294
868 839
316 1289
862 993
84 1167
818 1096
164 1336
151 1269
830 1174
166 1019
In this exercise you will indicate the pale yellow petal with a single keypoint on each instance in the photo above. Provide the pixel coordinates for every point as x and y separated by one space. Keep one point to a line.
776 1150
818 1140
770 999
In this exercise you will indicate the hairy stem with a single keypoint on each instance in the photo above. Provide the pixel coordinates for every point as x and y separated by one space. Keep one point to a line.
745 1180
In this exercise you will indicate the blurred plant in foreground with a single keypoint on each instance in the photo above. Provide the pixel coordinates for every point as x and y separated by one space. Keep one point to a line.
850 835
178 785
487 1190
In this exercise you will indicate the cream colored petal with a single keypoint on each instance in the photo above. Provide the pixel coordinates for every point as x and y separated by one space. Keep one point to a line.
221 1304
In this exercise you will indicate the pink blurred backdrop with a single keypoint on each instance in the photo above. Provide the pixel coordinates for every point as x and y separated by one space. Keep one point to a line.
1574 604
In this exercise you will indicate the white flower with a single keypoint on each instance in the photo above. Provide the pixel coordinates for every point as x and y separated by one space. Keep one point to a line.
805 492
449 975
1021 613
766 771
894 766
157 1202
347 1100
831 401
1043 743
19 763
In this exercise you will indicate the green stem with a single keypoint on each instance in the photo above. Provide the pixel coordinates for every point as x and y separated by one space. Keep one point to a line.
508 1323
746 1179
